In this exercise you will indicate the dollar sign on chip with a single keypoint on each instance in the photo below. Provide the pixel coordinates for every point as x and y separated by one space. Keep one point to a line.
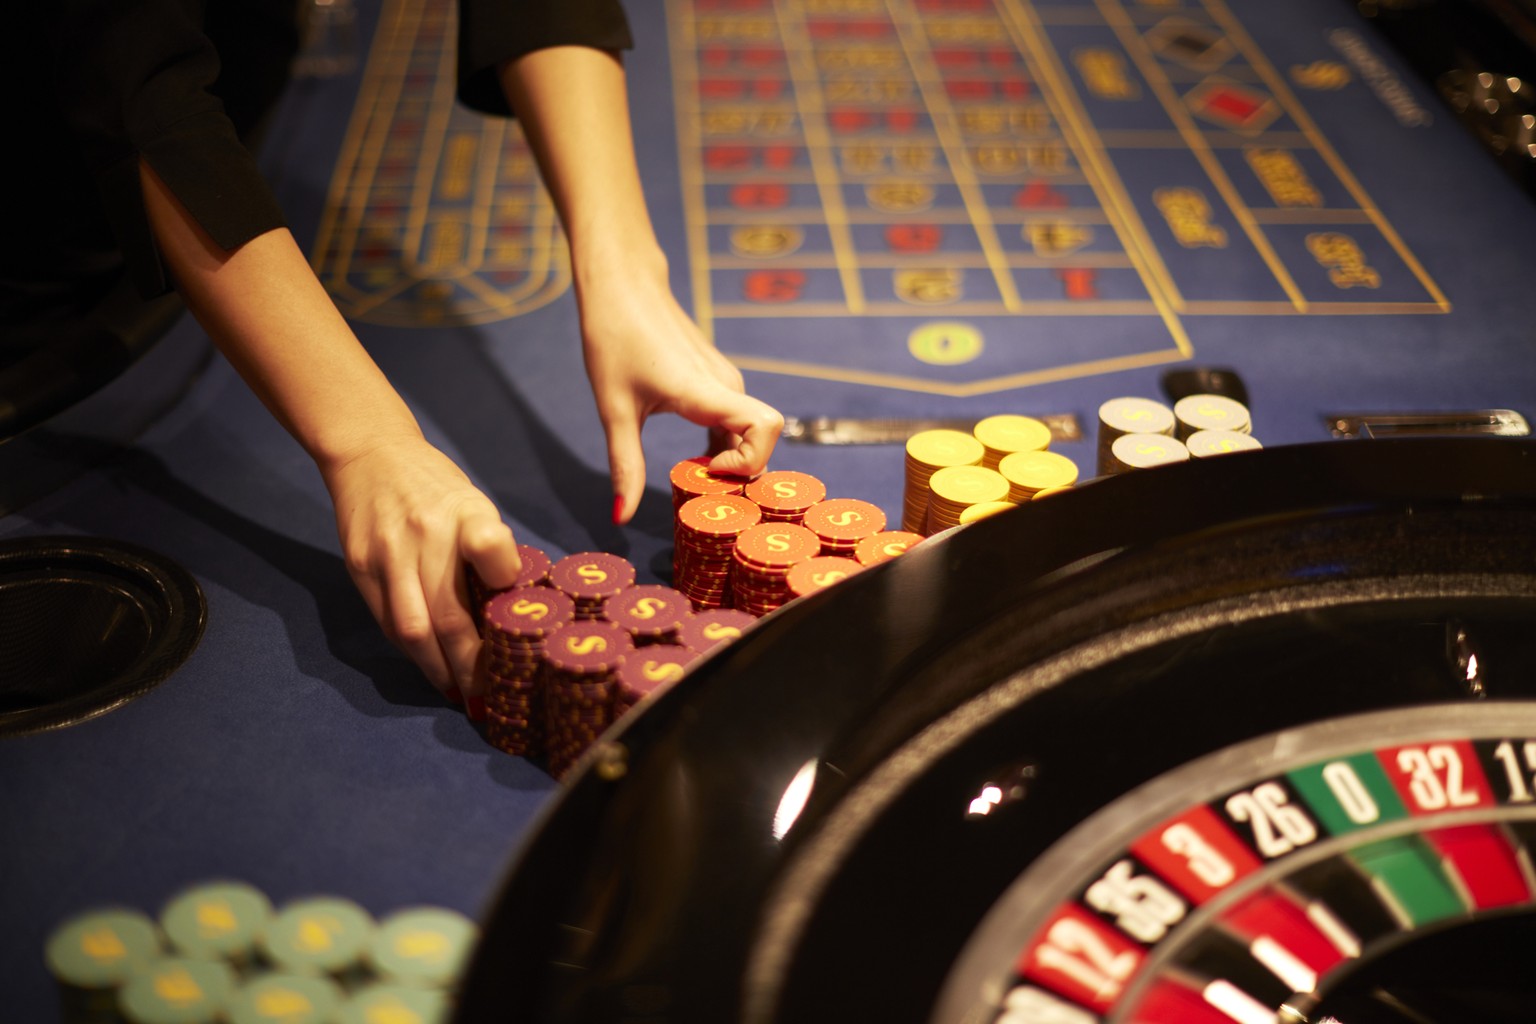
586 644
656 671
591 573
533 609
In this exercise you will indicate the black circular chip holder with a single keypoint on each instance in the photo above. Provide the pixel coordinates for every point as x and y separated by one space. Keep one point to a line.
1081 646
87 624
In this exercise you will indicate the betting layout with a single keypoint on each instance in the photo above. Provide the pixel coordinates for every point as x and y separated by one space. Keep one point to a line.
1261 879
435 214
1113 171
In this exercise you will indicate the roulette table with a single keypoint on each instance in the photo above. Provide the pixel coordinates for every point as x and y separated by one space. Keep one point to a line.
892 209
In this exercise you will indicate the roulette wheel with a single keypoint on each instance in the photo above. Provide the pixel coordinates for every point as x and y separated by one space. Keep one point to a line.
1237 738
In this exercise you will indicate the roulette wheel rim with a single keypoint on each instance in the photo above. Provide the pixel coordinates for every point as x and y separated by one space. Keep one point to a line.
676 876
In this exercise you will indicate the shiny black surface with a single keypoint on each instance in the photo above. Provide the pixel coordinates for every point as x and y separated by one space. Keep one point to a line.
87 624
1084 644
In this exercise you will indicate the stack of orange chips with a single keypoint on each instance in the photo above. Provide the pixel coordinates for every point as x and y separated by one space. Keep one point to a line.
840 523
819 573
785 495
760 566
884 546
706 530
692 478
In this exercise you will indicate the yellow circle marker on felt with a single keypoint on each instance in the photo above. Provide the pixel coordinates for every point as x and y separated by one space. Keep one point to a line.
945 343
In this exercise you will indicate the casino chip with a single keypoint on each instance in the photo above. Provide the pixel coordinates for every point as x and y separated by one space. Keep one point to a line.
581 661
760 566
954 489
324 934
710 629
1209 412
422 947
706 532
395 1004
217 921
1144 451
840 523
284 999
511 661
648 670
691 478
535 571
819 573
177 990
1203 444
784 496
93 954
884 546
651 613
1030 473
1121 416
985 509
927 452
1005 434
591 578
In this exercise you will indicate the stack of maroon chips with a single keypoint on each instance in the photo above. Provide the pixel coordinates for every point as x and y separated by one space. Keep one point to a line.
651 614
706 630
535 571
691 478
646 671
706 533
760 566
884 546
820 572
516 624
841 523
591 578
785 495
581 661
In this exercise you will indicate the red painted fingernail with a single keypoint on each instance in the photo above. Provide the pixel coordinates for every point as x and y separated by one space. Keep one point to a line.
476 709
453 694
618 509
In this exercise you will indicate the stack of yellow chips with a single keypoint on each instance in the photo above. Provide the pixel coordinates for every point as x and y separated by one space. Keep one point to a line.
954 489
1029 473
928 452
983 510
1005 434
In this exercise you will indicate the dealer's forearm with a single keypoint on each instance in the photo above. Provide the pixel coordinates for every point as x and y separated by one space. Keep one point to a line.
574 107
264 308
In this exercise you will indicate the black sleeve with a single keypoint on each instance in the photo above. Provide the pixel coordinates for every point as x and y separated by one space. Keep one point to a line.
491 31
134 80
